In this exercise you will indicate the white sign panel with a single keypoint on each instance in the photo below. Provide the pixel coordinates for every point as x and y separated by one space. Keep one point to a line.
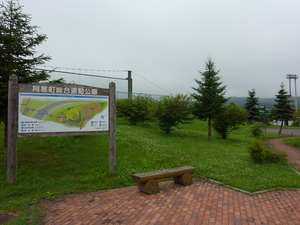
65 112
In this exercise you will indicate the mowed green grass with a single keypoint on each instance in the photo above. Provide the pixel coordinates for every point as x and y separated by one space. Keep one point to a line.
52 166
293 141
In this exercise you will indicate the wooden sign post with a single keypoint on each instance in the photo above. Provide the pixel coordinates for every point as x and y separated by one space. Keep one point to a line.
112 128
46 109
12 129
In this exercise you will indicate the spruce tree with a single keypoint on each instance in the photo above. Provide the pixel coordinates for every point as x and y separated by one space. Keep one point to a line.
251 107
18 40
283 110
210 95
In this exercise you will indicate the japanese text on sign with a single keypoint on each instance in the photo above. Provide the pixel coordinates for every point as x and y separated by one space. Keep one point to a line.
64 90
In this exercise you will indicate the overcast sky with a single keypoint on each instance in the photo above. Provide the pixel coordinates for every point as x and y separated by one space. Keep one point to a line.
254 43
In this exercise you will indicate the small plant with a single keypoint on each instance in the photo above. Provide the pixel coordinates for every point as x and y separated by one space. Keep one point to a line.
273 156
261 154
256 130
229 119
172 111
136 110
255 149
296 118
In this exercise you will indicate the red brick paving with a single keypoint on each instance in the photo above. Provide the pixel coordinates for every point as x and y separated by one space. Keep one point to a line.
199 203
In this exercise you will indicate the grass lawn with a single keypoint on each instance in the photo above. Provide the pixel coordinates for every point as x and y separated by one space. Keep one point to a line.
51 166
293 141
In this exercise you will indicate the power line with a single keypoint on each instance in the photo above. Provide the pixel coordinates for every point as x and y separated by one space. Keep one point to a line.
152 83
52 69
67 71
84 74
96 70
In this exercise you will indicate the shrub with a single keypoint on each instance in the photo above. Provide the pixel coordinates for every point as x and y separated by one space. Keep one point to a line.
255 149
273 156
261 154
229 119
296 118
136 110
256 130
172 111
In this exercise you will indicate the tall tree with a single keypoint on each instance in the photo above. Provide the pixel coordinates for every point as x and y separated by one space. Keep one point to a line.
283 110
210 95
251 106
18 40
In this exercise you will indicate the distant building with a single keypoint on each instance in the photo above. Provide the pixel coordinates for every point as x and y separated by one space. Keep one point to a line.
278 123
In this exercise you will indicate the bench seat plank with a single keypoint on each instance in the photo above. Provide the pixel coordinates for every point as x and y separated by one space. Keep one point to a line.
162 174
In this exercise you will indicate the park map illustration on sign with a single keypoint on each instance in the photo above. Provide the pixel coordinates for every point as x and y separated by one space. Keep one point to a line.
40 112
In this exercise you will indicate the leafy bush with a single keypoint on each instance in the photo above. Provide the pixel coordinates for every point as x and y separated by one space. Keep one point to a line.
136 110
296 118
274 156
172 111
256 130
255 149
229 119
261 154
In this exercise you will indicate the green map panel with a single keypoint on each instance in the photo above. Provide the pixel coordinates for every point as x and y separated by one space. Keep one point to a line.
69 112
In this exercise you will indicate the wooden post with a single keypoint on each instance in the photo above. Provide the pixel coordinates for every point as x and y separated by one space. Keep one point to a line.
150 187
112 127
184 179
12 129
129 84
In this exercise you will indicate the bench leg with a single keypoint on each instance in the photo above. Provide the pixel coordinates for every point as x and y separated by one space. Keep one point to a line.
184 179
150 187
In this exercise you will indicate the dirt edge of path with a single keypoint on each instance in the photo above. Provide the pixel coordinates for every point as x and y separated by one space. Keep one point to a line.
293 153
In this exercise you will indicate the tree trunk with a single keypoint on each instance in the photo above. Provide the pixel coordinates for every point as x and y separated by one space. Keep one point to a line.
209 128
280 127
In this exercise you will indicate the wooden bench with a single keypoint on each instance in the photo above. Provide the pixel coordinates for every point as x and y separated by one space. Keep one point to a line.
147 181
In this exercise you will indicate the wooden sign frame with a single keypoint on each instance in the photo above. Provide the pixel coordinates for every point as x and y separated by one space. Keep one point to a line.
68 90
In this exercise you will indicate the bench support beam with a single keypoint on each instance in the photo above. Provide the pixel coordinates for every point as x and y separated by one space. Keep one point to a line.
150 187
184 179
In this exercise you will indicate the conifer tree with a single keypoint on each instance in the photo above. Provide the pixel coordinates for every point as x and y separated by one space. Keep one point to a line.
283 110
210 95
18 40
251 107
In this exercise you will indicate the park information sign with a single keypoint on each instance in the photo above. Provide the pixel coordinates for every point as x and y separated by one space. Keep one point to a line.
44 112
56 108
47 109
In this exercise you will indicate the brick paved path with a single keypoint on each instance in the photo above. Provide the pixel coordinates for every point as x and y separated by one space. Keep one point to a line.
199 203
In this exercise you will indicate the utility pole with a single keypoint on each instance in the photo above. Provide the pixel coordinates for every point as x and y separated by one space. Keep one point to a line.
295 77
